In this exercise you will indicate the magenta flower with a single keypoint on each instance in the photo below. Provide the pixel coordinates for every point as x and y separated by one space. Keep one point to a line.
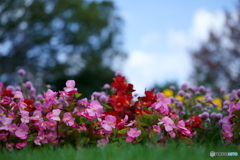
162 103
25 116
95 109
156 129
5 122
68 119
22 131
70 84
21 144
109 123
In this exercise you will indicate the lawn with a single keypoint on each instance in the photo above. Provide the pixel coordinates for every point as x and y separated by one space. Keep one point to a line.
125 152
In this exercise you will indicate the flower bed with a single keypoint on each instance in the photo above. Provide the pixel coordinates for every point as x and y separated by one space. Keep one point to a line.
116 116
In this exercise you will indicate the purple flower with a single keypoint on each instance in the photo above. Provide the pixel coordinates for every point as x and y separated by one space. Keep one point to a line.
132 133
28 84
21 72
106 86
118 73
184 86
181 93
50 98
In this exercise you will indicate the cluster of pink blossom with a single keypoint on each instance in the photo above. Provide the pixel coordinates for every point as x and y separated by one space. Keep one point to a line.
62 117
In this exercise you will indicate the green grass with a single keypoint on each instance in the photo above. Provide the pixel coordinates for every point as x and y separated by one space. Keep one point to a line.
126 152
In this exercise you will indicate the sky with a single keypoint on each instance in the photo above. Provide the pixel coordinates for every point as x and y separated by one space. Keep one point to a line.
158 36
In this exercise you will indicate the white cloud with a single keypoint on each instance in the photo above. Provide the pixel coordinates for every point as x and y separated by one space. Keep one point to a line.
144 68
150 39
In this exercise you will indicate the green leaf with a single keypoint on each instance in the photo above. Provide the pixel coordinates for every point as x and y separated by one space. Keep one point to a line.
154 137
123 131
147 116
187 141
106 106
63 127
77 95
31 137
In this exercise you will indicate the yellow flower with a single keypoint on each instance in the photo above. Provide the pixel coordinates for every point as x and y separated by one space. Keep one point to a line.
168 92
226 97
200 98
180 98
218 101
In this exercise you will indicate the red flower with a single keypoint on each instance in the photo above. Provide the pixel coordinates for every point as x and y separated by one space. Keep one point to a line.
194 122
30 106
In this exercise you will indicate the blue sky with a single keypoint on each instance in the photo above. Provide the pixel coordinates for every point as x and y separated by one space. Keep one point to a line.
158 34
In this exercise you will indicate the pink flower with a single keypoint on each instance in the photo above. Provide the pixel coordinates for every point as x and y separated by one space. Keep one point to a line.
37 115
70 84
10 146
3 137
156 129
133 132
102 142
5 122
183 129
52 125
233 107
123 121
68 119
82 128
25 116
109 123
55 114
21 144
50 98
18 94
169 125
227 131
12 127
22 131
95 109
162 103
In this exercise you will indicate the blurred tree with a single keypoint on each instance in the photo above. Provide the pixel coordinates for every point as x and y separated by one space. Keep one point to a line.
217 61
56 40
